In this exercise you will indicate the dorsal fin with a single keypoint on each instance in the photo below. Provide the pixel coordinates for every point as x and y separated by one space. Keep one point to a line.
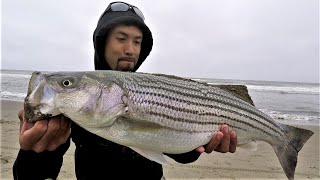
241 91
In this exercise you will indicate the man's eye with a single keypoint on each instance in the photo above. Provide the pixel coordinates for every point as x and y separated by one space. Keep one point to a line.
137 42
121 39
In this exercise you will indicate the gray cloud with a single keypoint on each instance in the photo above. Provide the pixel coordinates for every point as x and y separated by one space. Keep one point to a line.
276 40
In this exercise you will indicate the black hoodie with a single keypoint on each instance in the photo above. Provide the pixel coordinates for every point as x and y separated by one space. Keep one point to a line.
110 20
95 157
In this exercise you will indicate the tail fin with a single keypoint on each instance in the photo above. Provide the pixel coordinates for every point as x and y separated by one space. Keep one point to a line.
287 152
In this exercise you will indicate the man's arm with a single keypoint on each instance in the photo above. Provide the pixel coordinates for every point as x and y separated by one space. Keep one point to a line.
42 146
33 165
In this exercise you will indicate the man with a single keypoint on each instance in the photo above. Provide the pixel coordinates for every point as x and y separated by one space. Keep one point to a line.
122 41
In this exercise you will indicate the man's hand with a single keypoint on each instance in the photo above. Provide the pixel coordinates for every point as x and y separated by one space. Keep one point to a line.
223 141
44 134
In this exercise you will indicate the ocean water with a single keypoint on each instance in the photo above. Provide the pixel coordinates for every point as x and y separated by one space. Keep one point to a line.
289 102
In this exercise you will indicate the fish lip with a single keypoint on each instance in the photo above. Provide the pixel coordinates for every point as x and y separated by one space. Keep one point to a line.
36 77
31 111
32 114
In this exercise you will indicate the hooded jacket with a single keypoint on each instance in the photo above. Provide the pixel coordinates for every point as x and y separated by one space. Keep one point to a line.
95 157
109 20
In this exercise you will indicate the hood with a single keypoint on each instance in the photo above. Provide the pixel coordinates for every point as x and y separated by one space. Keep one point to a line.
110 19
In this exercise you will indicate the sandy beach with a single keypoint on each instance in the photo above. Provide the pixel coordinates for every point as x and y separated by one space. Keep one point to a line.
244 164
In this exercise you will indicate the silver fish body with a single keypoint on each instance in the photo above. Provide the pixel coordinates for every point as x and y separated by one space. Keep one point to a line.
156 113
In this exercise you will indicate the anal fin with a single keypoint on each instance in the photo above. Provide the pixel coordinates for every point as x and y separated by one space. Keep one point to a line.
151 155
252 146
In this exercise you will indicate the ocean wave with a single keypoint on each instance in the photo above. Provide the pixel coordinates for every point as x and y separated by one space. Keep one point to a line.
287 89
290 117
284 88
26 76
12 95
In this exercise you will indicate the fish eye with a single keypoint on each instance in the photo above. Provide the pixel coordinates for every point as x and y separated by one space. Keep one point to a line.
67 83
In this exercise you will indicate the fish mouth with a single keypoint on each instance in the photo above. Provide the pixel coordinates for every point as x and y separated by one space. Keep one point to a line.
38 104
33 114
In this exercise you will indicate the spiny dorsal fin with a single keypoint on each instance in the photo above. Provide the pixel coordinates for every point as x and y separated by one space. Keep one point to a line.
241 91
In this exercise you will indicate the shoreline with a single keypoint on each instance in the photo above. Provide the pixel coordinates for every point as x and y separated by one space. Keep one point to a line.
243 164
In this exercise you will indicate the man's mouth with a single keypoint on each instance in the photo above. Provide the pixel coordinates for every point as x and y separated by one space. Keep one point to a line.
128 59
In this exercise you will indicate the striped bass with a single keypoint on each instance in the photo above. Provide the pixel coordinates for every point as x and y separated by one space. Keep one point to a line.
156 113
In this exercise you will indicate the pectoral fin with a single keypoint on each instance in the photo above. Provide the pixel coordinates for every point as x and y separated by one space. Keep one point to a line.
99 119
151 155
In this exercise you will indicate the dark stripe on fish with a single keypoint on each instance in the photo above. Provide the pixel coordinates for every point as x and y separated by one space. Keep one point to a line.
208 123
193 95
204 105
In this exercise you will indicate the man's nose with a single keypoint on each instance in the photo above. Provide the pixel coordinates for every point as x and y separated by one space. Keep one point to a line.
129 50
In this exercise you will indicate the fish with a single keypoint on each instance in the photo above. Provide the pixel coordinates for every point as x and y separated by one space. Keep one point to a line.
155 114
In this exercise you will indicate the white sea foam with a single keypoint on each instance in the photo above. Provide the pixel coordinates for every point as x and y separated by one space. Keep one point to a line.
287 89
291 117
26 76
12 95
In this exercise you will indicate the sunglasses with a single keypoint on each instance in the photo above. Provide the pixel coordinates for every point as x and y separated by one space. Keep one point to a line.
123 7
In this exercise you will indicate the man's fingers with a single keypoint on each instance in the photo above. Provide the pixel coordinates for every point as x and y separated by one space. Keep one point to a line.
201 149
225 142
214 142
61 139
233 141
30 136
62 134
65 131
65 124
49 136
44 134
21 115
25 126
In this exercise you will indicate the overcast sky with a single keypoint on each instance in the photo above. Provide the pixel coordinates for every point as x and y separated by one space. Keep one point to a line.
273 40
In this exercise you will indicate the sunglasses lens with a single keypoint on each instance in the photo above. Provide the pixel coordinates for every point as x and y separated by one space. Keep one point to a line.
138 12
125 7
119 7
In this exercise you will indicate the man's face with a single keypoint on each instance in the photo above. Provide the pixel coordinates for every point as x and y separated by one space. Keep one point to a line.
123 47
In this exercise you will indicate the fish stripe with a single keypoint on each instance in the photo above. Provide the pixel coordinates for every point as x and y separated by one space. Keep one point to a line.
232 101
205 114
209 123
173 98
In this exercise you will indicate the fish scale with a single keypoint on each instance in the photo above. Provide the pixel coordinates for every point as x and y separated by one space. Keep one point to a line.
184 96
157 113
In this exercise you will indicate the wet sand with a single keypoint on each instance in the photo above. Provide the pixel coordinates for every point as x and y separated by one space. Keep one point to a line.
244 164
